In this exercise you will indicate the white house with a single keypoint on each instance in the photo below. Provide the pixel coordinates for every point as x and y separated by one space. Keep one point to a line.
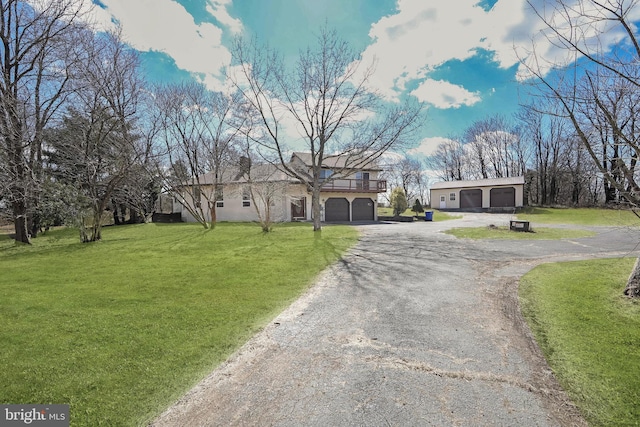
351 197
482 194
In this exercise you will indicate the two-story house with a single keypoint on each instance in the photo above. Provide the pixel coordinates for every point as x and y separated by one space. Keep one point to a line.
346 196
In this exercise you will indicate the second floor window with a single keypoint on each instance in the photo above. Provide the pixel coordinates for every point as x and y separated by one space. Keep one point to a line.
325 173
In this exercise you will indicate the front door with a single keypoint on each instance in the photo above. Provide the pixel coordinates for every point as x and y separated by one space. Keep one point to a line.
443 202
298 208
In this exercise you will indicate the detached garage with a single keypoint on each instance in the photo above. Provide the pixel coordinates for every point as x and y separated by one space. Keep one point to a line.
478 195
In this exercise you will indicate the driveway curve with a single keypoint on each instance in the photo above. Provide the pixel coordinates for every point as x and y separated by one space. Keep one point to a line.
413 327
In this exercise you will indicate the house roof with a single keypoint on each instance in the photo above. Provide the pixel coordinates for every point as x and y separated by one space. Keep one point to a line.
262 172
492 182
339 161
234 175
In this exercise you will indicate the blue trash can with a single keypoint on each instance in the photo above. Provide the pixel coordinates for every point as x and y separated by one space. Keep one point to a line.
428 216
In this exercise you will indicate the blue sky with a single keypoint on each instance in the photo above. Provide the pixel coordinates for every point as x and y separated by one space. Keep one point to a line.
457 56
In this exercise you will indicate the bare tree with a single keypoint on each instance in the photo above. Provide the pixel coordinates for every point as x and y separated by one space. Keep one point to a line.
547 136
407 174
199 143
449 160
495 148
267 186
97 146
598 93
328 99
35 52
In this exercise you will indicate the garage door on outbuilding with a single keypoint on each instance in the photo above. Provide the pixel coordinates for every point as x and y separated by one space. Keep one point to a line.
362 209
503 197
336 209
470 199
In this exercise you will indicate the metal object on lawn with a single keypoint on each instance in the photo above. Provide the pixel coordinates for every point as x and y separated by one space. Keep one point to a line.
516 225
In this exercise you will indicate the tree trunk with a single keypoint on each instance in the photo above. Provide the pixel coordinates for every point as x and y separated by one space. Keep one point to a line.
633 283
213 214
315 208
116 214
20 222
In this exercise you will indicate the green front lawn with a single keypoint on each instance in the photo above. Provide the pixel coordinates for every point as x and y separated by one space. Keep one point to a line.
580 216
504 233
120 328
590 335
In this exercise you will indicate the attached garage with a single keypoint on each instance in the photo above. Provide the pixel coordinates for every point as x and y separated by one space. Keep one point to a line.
336 209
503 197
470 199
362 209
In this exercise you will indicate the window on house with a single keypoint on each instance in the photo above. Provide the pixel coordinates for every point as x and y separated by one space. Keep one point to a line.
452 196
246 198
219 197
325 173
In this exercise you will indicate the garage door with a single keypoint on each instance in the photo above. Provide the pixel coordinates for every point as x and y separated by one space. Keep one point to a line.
470 199
336 209
362 209
503 197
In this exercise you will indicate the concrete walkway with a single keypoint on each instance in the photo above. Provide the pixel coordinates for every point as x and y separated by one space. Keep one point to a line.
412 328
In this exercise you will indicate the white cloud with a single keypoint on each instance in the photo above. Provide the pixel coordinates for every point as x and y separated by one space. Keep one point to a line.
424 34
595 33
429 145
166 26
218 9
442 94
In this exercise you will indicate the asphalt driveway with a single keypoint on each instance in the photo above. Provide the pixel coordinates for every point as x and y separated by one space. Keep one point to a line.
412 328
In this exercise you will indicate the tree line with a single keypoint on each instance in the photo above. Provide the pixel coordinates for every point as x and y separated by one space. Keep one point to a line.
539 146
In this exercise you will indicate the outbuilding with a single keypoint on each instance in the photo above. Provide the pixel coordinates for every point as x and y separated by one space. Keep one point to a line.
478 195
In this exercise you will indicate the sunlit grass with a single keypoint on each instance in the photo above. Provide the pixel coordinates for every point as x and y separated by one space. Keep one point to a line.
504 233
120 328
590 335
580 216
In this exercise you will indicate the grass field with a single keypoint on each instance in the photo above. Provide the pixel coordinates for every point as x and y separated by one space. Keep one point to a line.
503 233
120 328
590 335
580 216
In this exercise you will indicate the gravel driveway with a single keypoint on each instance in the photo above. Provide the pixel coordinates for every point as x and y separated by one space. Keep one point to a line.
412 328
